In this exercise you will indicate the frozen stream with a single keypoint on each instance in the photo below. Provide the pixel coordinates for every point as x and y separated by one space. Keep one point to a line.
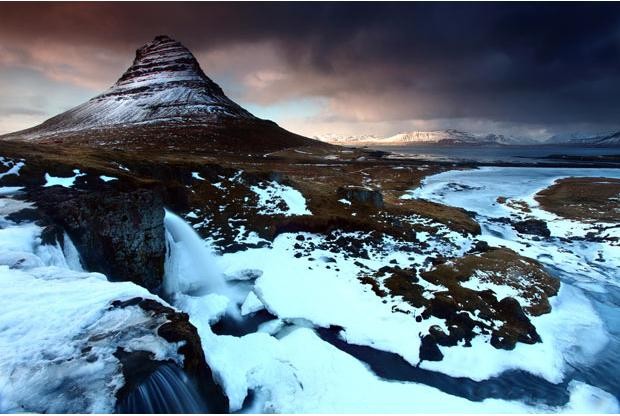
589 269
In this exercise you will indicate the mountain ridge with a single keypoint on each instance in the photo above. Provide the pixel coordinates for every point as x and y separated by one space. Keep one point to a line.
458 137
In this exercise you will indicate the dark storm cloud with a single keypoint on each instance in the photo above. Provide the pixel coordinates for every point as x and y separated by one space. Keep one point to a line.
531 63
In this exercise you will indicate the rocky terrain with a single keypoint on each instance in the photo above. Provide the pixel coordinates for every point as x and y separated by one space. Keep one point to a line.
224 246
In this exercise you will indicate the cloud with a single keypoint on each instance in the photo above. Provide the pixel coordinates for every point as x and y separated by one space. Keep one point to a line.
515 67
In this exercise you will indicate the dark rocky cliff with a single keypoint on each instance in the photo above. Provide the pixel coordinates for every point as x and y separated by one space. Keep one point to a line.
117 233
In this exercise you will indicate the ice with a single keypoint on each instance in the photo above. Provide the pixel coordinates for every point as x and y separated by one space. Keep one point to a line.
478 189
107 178
272 194
196 175
190 264
14 168
9 190
66 182
58 333
45 333
290 369
251 304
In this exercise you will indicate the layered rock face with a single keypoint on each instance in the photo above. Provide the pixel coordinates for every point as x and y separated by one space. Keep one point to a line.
117 233
164 84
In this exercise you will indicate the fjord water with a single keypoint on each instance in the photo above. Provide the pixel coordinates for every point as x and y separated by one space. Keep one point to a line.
496 154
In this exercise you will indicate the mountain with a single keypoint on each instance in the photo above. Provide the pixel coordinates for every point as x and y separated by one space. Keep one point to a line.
587 139
164 89
440 137
335 138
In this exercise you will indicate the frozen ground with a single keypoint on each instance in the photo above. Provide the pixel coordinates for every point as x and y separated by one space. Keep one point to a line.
281 296
290 368
588 270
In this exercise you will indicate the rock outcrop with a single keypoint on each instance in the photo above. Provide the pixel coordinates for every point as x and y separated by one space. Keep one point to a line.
468 304
361 195
119 233
533 227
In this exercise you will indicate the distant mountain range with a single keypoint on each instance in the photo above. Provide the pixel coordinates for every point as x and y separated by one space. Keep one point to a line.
458 137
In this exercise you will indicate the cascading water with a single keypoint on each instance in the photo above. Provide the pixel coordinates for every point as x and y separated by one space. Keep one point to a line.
167 390
191 267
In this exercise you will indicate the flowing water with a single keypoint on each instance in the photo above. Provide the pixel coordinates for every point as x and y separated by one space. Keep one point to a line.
190 265
167 390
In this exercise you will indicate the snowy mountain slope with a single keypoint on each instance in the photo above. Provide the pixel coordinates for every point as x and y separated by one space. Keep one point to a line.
163 99
443 137
165 83
585 139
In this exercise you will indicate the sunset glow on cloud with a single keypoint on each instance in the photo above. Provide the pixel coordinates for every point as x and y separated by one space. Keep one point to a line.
344 68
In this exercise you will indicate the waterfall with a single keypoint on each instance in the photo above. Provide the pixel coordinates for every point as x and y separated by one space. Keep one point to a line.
167 390
191 266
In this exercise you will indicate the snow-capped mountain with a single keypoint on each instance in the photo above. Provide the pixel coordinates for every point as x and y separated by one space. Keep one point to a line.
441 137
164 98
335 138
587 139
165 83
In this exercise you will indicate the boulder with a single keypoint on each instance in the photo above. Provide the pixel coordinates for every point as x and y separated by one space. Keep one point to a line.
533 227
361 195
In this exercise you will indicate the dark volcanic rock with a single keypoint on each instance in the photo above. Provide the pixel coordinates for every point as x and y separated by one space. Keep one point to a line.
429 350
118 233
361 195
468 312
532 226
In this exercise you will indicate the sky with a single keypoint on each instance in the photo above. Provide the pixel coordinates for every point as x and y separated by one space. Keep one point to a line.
525 69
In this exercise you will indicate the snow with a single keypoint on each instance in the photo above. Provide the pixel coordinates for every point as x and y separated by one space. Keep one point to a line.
196 175
157 87
251 304
291 369
57 330
66 182
14 167
573 333
297 372
272 194
107 178
344 201
190 264
426 137
566 342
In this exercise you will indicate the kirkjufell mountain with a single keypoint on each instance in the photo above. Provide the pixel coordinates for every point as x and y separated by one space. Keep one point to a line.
163 97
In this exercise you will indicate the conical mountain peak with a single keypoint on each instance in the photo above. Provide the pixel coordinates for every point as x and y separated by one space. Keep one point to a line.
163 60
165 85
164 98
